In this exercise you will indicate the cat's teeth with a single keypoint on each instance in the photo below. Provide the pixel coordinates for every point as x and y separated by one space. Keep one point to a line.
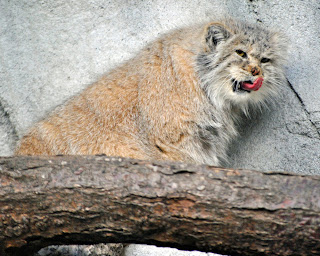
238 85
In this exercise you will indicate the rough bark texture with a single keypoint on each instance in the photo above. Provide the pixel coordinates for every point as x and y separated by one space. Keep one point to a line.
94 199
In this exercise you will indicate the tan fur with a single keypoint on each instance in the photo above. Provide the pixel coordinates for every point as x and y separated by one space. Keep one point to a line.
105 118
149 108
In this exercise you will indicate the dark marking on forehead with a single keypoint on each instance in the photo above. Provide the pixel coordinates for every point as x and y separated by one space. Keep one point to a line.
255 55
266 46
245 41
229 65
250 28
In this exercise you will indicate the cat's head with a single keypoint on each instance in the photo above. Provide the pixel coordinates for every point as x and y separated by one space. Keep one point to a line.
242 63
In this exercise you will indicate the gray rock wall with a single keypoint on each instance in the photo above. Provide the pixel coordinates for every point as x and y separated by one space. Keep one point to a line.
51 50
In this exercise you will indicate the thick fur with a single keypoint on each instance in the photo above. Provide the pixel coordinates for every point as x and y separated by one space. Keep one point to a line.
173 101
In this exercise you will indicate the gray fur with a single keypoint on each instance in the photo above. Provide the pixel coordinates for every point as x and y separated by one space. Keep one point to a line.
219 67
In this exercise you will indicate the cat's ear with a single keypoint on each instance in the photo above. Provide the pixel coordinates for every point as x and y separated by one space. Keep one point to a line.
215 34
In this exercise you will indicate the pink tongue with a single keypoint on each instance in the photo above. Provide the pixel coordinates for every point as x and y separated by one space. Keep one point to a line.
253 87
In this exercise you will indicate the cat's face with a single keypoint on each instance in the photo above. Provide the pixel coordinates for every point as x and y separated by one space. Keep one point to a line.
243 63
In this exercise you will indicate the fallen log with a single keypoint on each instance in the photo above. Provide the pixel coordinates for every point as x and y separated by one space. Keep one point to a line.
94 199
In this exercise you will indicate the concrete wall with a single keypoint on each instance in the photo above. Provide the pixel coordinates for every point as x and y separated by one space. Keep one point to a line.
50 50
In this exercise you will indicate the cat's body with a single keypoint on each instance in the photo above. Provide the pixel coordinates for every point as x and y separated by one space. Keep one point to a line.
178 99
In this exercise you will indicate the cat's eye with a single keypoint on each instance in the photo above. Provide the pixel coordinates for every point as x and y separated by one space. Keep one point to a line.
241 53
265 60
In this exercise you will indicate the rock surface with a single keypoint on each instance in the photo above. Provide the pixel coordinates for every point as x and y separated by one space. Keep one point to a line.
51 50
143 250
83 250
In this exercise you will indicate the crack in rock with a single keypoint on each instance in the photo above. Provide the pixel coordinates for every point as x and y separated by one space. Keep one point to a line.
315 116
303 129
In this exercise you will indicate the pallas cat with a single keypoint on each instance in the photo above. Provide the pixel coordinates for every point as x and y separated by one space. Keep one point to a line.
178 99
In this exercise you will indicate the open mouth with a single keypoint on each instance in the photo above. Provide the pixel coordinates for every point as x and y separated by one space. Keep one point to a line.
237 86
246 86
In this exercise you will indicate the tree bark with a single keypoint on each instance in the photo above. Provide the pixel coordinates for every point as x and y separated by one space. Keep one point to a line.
94 199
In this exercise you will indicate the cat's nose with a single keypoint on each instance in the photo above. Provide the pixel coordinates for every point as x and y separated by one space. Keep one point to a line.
255 70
